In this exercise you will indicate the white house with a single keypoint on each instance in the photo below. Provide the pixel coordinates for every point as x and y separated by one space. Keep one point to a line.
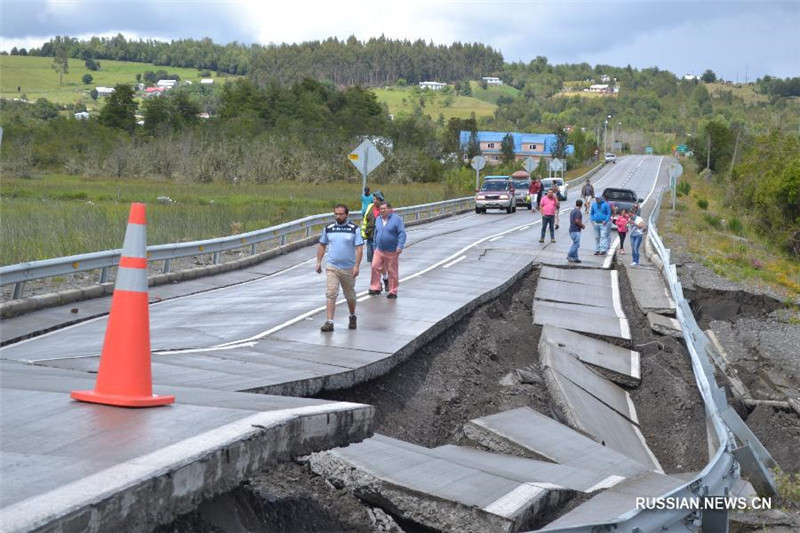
490 80
104 91
167 84
81 115
598 88
433 85
207 81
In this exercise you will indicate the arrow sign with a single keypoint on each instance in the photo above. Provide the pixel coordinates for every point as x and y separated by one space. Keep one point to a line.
529 164
556 165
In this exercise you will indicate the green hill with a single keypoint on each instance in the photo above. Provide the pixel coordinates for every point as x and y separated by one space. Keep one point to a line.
34 78
483 102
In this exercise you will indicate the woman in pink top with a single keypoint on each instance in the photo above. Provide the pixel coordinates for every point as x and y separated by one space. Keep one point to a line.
548 208
622 228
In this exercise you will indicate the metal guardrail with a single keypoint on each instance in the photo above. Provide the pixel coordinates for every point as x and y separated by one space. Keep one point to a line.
21 273
723 431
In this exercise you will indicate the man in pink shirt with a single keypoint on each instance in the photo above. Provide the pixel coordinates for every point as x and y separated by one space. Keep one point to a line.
548 208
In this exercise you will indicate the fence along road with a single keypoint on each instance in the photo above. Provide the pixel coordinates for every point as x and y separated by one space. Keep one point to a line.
212 339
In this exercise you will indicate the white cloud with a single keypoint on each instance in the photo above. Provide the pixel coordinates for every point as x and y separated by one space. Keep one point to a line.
680 36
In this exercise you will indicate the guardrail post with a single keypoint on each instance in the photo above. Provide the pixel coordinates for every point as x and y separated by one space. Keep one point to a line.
417 215
167 266
283 240
215 258
18 288
104 274
253 249
308 232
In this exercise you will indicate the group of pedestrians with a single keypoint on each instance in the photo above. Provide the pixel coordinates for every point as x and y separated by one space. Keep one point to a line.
600 215
383 232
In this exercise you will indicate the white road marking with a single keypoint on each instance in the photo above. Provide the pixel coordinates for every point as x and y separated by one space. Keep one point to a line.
451 263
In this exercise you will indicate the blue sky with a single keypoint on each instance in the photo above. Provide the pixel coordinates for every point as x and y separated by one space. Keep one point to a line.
734 39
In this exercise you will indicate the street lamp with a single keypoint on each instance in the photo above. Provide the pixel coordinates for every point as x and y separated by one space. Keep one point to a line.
605 135
614 137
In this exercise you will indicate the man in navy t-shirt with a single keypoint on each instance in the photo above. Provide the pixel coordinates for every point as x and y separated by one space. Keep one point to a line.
575 227
345 246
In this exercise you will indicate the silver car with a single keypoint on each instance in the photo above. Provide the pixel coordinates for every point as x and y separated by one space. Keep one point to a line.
558 183
496 194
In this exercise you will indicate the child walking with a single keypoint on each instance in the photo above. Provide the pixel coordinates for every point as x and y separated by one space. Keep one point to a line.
622 228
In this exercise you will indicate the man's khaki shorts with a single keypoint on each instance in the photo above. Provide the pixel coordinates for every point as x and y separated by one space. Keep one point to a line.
337 276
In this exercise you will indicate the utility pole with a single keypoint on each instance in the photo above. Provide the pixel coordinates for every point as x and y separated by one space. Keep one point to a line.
735 149
708 151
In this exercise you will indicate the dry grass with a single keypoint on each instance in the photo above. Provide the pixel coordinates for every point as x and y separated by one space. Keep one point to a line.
58 215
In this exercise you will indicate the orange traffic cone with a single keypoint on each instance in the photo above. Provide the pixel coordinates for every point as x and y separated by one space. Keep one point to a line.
124 377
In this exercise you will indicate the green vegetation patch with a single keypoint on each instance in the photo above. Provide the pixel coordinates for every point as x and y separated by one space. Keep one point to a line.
35 77
90 214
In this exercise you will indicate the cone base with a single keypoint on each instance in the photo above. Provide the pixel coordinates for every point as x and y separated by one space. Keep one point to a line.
121 401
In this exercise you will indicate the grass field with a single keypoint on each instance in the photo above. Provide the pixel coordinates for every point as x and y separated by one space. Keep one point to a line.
58 215
725 243
482 102
36 79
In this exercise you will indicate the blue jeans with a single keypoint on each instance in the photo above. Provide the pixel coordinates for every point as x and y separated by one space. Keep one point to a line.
636 241
548 220
600 236
370 250
576 243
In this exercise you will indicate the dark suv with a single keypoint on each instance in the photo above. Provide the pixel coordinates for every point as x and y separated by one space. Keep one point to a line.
619 199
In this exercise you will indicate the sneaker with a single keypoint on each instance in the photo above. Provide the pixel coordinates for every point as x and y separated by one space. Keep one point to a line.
386 284
597 253
557 226
391 296
373 292
327 326
571 260
622 251
634 263
552 240
541 240
577 261
353 322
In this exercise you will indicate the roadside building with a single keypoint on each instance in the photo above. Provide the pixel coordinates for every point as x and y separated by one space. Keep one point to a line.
104 91
534 145
491 80
167 84
432 85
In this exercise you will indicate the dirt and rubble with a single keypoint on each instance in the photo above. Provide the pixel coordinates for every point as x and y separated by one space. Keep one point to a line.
472 371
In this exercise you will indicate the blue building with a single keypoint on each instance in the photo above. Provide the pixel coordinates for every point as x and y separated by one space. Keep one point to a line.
534 145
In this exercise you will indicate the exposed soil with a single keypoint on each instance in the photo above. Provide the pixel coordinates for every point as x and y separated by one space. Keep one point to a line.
468 372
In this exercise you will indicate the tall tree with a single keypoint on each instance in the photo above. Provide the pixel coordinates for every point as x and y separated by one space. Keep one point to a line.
507 149
120 109
60 63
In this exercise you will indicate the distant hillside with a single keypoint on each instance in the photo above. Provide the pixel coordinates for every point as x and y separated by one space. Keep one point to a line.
482 103
34 77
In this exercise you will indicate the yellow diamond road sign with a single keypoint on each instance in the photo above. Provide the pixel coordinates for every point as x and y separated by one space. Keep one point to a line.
365 157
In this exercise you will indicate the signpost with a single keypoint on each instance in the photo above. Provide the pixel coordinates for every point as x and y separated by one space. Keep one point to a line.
529 165
648 150
365 158
674 172
478 162
557 166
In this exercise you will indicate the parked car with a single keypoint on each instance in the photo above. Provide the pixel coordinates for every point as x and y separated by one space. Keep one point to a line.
521 187
496 194
549 183
619 199
611 158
